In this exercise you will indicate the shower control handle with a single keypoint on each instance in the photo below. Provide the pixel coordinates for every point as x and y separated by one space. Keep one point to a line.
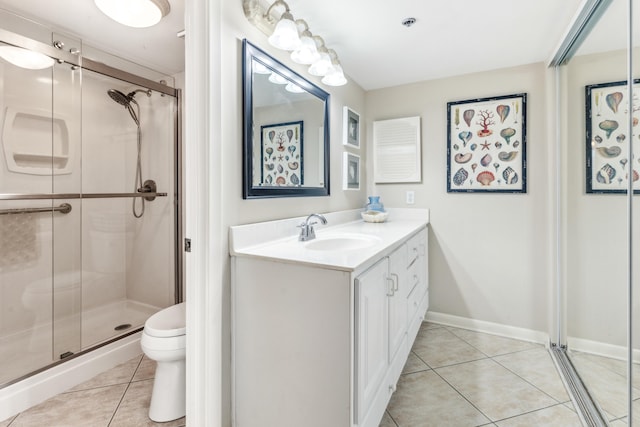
149 186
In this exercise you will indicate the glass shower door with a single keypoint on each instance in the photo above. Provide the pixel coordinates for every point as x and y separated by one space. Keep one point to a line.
66 183
37 145
89 197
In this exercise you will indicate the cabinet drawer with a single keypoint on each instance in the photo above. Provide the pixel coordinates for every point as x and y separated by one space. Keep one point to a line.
413 276
419 309
413 302
415 247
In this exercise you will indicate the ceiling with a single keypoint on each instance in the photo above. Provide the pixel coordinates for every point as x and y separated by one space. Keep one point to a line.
155 47
451 37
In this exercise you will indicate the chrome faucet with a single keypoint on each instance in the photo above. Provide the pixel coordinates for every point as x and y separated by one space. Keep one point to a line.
306 228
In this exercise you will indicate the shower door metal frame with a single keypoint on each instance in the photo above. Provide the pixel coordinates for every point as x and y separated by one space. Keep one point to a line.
76 60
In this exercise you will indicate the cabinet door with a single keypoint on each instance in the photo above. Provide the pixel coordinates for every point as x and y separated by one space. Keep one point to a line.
397 300
372 288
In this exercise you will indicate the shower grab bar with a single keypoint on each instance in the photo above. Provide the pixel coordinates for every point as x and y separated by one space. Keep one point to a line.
116 195
78 196
64 208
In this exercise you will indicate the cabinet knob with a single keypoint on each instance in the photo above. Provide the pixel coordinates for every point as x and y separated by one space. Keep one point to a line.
392 388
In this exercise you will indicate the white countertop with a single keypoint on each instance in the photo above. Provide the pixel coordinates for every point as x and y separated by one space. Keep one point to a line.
278 240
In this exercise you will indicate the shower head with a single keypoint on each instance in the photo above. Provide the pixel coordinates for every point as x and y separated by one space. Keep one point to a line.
126 100
120 97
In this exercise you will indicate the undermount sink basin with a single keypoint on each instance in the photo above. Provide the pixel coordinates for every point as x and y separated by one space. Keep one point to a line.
342 242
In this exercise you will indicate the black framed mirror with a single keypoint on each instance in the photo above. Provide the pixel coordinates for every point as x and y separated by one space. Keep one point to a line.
285 130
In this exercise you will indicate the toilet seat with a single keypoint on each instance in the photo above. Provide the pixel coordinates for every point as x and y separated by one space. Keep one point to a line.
155 344
169 322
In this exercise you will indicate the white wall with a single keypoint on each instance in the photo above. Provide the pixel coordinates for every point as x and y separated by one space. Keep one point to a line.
125 257
489 253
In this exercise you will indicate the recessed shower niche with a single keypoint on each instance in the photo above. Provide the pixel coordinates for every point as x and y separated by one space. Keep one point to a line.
35 143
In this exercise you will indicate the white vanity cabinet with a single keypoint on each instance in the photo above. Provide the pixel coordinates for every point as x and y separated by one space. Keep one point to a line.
324 344
391 300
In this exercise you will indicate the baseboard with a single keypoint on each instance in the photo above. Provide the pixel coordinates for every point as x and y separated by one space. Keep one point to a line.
577 344
44 385
601 349
488 327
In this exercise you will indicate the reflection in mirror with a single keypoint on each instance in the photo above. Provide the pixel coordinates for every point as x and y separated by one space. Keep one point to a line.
286 130
595 120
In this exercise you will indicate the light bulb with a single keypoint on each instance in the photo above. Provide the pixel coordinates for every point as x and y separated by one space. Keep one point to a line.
307 53
285 36
321 66
335 77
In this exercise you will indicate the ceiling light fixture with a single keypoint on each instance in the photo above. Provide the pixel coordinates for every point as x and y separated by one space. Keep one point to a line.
295 36
25 58
135 13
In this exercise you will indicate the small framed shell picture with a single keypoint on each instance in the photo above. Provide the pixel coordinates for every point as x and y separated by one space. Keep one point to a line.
350 128
350 171
486 145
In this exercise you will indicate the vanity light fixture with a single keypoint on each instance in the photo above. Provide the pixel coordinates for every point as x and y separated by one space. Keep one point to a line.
335 75
296 37
307 53
135 13
294 88
323 65
285 36
25 58
260 68
278 79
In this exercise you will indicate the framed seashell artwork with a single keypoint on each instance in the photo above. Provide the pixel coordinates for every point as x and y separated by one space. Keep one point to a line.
486 145
350 127
350 171
281 148
608 125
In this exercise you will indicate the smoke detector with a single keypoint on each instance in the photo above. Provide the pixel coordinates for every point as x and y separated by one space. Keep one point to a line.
407 22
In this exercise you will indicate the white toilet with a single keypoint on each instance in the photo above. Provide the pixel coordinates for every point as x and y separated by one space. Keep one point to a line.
164 341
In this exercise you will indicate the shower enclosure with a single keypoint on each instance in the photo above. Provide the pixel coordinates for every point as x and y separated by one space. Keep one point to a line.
89 197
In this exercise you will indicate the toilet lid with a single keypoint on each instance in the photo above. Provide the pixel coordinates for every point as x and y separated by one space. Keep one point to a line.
169 322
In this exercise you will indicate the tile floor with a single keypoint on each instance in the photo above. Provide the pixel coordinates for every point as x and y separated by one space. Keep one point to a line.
453 377
117 398
606 379
459 378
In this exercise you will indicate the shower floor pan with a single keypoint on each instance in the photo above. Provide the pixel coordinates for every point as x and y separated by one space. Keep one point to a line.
31 350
